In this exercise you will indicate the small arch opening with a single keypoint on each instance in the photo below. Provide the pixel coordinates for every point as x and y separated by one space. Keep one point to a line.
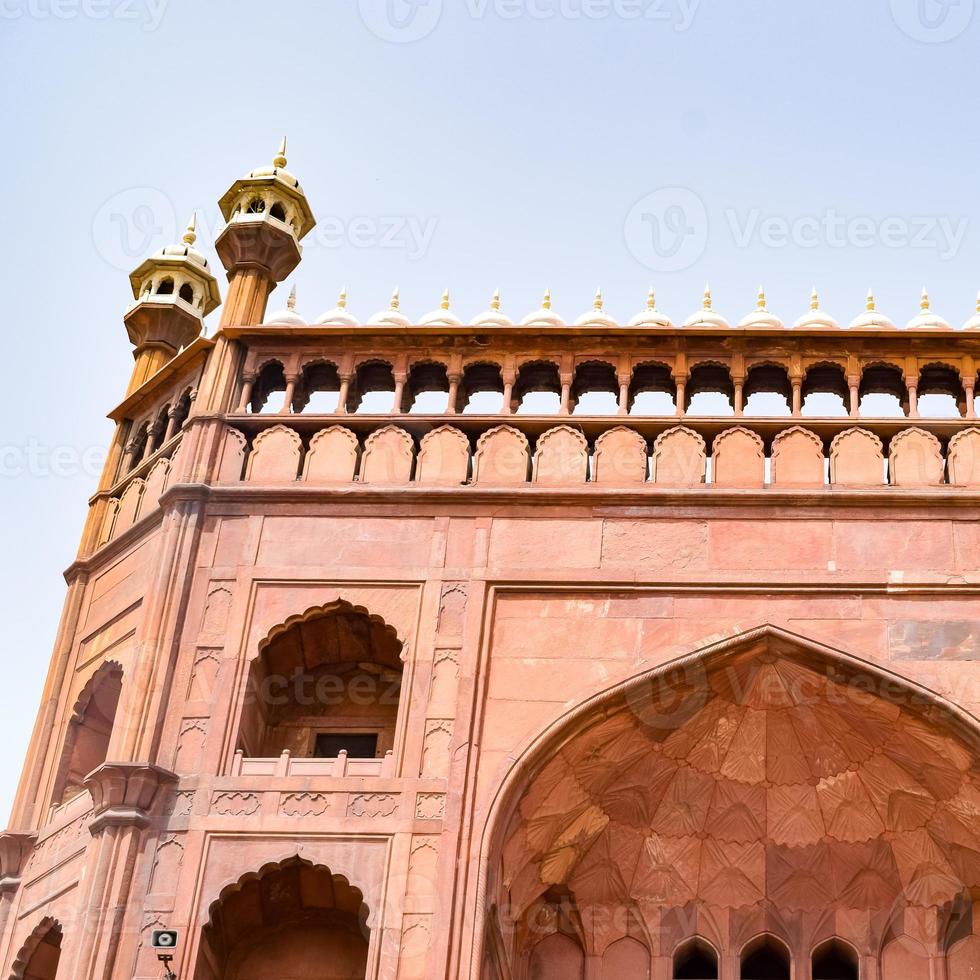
278 211
696 960
595 389
768 391
940 393
537 390
256 206
86 744
182 410
187 293
137 446
271 380
653 391
710 391
825 392
882 392
166 287
427 389
835 960
481 389
42 953
373 389
766 958
318 389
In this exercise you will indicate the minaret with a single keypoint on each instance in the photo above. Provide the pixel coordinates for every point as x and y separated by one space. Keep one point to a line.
173 292
268 215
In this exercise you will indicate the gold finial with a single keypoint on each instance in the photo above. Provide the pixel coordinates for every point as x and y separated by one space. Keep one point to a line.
651 301
190 236
342 299
279 160
924 302
871 301
814 300
761 300
445 299
546 302
291 302
707 297
495 302
597 304
395 300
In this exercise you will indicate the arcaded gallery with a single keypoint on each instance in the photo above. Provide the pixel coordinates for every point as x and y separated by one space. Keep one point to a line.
421 646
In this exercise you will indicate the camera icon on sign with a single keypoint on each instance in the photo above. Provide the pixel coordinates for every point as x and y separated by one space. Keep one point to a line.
400 21
667 230
933 21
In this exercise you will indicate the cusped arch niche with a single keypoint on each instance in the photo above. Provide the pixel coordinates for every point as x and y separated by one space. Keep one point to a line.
767 784
291 920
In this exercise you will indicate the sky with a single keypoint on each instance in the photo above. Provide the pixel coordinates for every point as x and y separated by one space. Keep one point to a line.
524 144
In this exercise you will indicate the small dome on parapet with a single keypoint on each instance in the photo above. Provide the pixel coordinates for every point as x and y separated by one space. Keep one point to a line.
760 316
871 318
338 316
391 317
816 318
186 248
441 317
545 317
493 317
706 316
651 318
926 319
974 322
288 317
597 316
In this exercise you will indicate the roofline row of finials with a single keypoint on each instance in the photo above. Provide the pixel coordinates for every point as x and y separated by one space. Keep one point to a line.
597 317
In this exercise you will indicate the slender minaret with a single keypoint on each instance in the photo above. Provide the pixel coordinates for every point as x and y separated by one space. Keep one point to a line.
173 291
268 215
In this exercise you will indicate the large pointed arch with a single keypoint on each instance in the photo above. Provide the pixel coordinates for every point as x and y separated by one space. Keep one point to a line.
38 957
925 725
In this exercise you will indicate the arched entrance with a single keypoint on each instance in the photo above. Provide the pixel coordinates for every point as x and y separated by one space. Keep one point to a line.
40 955
768 794
289 921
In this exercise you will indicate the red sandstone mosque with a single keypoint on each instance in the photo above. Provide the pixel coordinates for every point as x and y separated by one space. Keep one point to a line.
372 667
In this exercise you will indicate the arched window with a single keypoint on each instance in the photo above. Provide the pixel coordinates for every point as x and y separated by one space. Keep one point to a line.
940 392
652 390
278 211
182 410
835 960
373 389
318 389
765 958
89 730
256 206
767 390
330 682
293 919
695 960
427 389
271 379
883 392
187 293
537 390
481 392
825 392
710 390
595 390
166 287
41 954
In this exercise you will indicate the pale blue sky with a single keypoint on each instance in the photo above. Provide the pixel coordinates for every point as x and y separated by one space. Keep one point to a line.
569 143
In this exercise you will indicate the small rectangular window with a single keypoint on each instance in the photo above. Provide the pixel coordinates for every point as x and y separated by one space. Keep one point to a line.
329 745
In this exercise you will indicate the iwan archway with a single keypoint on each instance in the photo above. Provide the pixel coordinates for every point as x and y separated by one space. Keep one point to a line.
767 803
